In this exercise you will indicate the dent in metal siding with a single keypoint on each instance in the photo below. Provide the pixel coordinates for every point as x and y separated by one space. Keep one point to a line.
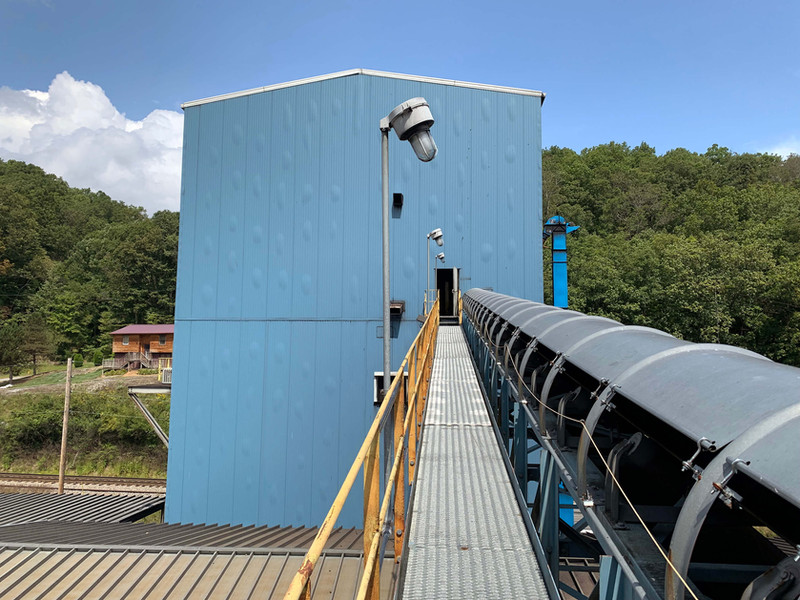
257 208
224 403
300 426
188 214
281 240
178 416
249 407
274 418
231 206
281 201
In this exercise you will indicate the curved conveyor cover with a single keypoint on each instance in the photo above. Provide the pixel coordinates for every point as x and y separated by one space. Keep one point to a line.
711 394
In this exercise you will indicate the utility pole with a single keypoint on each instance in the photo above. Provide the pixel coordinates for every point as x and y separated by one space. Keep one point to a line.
62 465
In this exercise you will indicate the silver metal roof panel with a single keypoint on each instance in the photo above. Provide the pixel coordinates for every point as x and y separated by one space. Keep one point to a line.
610 352
566 333
29 508
710 390
538 324
529 312
351 72
521 312
50 572
497 303
176 535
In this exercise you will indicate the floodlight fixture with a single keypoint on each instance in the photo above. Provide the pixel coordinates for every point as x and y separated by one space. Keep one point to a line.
412 121
440 256
437 236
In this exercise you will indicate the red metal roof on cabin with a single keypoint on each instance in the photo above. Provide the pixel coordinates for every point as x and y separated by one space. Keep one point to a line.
144 329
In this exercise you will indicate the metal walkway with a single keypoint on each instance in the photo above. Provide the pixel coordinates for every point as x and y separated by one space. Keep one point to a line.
467 537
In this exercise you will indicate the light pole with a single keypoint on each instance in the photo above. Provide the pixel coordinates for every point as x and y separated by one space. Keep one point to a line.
437 236
440 257
411 121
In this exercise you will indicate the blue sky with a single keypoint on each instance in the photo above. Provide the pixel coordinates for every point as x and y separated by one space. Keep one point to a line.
672 74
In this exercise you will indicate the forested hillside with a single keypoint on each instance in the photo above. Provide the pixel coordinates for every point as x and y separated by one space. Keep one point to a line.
704 246
75 264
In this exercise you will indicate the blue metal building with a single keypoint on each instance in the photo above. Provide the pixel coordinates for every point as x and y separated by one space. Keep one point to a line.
278 311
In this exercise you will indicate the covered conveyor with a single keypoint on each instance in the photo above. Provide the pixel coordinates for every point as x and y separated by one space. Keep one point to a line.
684 458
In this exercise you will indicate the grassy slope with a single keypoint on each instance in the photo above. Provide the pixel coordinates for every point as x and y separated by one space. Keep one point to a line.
107 434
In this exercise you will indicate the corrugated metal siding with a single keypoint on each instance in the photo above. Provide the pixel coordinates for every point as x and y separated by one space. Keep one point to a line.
180 536
279 278
47 573
30 508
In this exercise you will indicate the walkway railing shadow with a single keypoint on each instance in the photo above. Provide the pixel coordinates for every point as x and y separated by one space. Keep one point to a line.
402 409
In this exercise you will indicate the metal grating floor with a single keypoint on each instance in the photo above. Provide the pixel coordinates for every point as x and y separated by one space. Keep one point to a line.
467 537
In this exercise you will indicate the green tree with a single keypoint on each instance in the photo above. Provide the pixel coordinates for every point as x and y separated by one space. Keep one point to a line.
38 339
11 354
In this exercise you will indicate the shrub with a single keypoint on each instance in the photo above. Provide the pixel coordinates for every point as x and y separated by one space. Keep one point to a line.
97 359
148 371
115 372
78 360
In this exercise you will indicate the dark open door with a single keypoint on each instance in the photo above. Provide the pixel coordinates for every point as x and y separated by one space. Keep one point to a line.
447 286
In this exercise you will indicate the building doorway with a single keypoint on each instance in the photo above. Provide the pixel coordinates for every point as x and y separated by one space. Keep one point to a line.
447 288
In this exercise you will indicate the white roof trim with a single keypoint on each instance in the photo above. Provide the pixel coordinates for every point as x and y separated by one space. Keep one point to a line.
348 73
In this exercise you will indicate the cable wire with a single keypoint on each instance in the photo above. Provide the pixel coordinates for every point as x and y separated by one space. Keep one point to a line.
661 551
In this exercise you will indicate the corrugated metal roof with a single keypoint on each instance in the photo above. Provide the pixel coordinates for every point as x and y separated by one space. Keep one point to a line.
145 329
179 536
30 508
50 572
351 72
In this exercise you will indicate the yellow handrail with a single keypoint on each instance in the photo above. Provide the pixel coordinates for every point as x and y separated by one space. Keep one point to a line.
407 423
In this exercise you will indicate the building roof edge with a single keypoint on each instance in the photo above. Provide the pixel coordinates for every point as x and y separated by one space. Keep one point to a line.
369 72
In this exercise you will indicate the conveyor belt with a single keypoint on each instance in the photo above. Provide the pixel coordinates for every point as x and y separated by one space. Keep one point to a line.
467 537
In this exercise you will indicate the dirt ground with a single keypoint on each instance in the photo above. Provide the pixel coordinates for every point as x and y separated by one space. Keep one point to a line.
93 385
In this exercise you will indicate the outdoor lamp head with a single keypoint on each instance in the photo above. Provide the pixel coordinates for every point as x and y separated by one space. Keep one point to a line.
440 256
412 121
437 236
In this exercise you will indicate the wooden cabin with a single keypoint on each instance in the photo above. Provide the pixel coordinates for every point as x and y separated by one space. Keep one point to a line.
140 346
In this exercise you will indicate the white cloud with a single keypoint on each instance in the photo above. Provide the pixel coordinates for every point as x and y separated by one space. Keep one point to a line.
790 145
73 131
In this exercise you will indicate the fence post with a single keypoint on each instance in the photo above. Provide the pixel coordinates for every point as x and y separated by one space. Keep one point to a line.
400 482
62 463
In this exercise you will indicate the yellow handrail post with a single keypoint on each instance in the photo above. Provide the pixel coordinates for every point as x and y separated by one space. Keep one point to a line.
372 483
412 441
408 408
400 483
413 398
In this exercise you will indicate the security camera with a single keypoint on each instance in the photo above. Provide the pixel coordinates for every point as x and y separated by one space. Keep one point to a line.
412 121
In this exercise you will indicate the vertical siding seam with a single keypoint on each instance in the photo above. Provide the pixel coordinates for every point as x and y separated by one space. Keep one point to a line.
318 232
266 190
215 315
287 467
210 427
244 205
183 432
236 398
313 414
